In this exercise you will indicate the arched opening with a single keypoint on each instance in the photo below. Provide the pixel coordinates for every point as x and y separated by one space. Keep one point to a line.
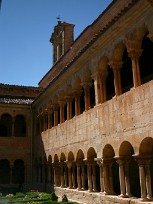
6 125
18 172
130 167
146 60
4 171
82 102
111 170
20 126
126 73
110 90
92 95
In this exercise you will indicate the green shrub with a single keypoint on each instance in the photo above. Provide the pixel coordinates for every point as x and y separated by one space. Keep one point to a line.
54 197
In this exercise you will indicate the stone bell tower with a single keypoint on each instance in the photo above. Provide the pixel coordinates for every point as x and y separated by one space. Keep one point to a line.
61 39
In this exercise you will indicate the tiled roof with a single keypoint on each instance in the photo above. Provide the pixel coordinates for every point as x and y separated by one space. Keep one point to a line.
16 100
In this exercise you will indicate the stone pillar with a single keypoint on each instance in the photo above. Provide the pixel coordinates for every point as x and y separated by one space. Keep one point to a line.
77 94
78 176
94 177
116 66
49 173
134 52
55 115
73 176
121 176
69 165
11 172
62 174
127 177
96 78
99 162
49 118
83 176
87 86
148 179
103 76
65 176
69 107
61 104
106 179
89 177
111 188
142 178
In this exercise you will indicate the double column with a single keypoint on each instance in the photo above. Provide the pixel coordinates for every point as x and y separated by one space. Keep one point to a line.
71 174
100 86
124 176
145 176
116 66
91 173
108 177
134 52
86 86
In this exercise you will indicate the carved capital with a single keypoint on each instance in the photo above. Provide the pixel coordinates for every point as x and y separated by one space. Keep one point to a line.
114 64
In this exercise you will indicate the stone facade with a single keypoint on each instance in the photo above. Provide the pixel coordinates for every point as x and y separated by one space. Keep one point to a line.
92 122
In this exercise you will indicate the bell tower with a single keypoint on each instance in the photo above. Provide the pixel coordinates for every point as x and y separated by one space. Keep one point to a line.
61 39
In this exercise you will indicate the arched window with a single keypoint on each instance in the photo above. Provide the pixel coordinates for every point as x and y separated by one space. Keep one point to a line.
18 172
20 126
4 171
146 60
6 125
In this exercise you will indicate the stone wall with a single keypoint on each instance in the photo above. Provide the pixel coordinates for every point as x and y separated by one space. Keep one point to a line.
124 118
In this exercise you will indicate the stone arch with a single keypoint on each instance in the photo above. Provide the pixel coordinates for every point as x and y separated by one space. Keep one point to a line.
137 34
49 159
118 51
62 157
108 151
146 146
102 64
6 125
56 159
91 153
18 172
80 155
70 156
126 149
76 83
20 126
4 171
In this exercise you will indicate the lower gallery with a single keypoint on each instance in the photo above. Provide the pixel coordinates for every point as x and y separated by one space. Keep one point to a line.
87 130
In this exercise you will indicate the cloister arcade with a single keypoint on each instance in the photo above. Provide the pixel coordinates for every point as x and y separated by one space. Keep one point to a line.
129 66
12 126
12 172
126 174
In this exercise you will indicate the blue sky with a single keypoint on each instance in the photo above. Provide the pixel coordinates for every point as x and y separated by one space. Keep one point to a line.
25 30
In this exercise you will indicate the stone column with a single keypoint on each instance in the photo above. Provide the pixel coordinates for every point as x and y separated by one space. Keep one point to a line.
49 173
89 177
134 52
87 86
62 174
83 176
69 165
96 78
99 162
116 66
65 175
11 172
78 176
69 107
40 123
61 104
103 76
73 175
94 177
111 188
127 177
148 179
142 178
121 176
77 94
49 118
106 179
13 120
55 115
